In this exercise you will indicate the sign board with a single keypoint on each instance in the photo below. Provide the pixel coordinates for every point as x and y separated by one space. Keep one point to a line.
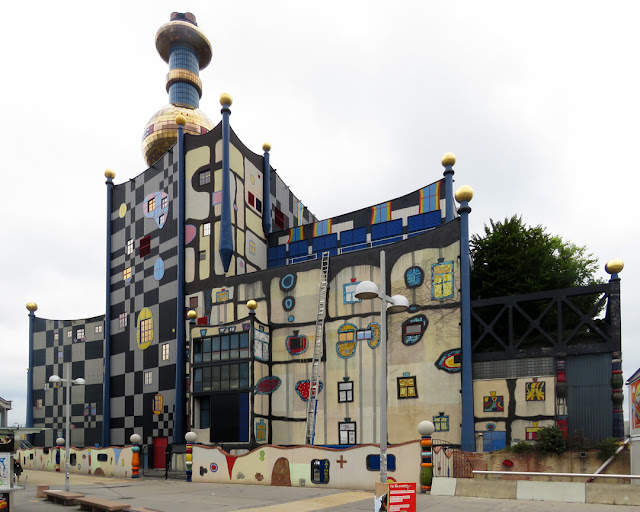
5 501
402 497
7 443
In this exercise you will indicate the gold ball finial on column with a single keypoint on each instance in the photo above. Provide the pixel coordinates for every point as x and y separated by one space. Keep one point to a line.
464 193
252 305
266 147
181 120
32 306
191 314
109 174
226 99
448 159
614 266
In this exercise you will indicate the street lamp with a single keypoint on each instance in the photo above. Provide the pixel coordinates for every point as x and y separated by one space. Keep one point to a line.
54 379
367 290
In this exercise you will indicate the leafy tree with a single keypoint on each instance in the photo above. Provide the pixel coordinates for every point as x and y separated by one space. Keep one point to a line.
549 440
513 258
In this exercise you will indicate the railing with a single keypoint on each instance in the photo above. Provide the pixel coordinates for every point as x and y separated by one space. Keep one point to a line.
571 475
360 246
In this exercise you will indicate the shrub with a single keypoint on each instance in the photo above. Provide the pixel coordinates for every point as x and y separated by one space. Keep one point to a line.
607 447
522 447
549 440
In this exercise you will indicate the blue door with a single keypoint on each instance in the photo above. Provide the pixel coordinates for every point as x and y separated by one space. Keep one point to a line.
493 441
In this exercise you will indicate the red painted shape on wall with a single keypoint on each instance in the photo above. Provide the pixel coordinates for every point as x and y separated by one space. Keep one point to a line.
231 460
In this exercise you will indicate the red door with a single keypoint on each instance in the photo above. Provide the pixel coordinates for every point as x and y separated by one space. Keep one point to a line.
159 452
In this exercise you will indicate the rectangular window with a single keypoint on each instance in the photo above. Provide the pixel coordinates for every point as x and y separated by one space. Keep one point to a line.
345 391
347 432
258 205
278 217
407 387
130 246
165 351
145 246
39 403
126 274
205 177
364 334
193 302
346 336
151 204
250 199
69 334
79 334
206 229
97 329
202 255
165 202
122 319
350 293
442 280
146 330
161 219
204 411
441 423
413 328
148 376
56 336
60 355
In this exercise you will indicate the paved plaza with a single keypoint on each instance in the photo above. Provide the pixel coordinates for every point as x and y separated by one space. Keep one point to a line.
174 495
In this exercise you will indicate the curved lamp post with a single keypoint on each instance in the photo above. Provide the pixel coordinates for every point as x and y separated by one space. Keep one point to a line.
367 290
55 379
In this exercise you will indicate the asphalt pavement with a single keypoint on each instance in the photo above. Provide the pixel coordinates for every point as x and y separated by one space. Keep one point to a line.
181 496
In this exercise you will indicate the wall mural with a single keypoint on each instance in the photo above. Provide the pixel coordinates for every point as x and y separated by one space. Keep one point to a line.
493 403
413 329
534 391
347 343
450 361
303 388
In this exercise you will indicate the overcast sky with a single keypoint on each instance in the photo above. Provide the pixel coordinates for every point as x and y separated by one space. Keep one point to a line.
359 100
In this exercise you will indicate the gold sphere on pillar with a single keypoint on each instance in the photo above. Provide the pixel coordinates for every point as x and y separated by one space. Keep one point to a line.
464 193
192 314
32 306
448 159
614 266
252 305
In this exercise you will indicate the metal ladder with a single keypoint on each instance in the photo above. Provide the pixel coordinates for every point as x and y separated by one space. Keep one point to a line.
312 403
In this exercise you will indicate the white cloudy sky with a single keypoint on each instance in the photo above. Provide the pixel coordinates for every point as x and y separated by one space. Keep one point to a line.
360 100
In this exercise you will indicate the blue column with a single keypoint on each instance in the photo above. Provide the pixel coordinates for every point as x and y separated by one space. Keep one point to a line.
106 390
468 420
32 307
179 416
226 232
448 161
266 199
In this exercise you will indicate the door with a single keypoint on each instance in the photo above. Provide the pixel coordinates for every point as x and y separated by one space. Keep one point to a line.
159 452
494 441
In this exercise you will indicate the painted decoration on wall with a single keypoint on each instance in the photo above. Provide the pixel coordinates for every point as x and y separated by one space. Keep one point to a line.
288 303
375 337
535 391
122 211
490 427
156 207
322 228
157 404
267 385
493 403
531 433
450 361
347 343
213 467
442 280
302 388
261 433
350 292
288 282
296 234
296 344
413 328
635 399
190 233
144 328
158 269
413 277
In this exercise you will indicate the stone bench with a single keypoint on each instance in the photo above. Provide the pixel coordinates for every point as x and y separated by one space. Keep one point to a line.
141 509
40 491
63 497
101 505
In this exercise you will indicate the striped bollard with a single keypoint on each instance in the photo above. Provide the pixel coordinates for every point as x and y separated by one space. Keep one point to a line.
135 459
425 429
190 438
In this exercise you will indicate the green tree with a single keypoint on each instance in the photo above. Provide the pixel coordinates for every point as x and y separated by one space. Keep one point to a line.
513 258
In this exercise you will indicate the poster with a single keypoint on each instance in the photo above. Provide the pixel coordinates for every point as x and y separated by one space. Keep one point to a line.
402 497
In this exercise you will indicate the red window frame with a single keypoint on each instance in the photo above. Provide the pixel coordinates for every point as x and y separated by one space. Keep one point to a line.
145 246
